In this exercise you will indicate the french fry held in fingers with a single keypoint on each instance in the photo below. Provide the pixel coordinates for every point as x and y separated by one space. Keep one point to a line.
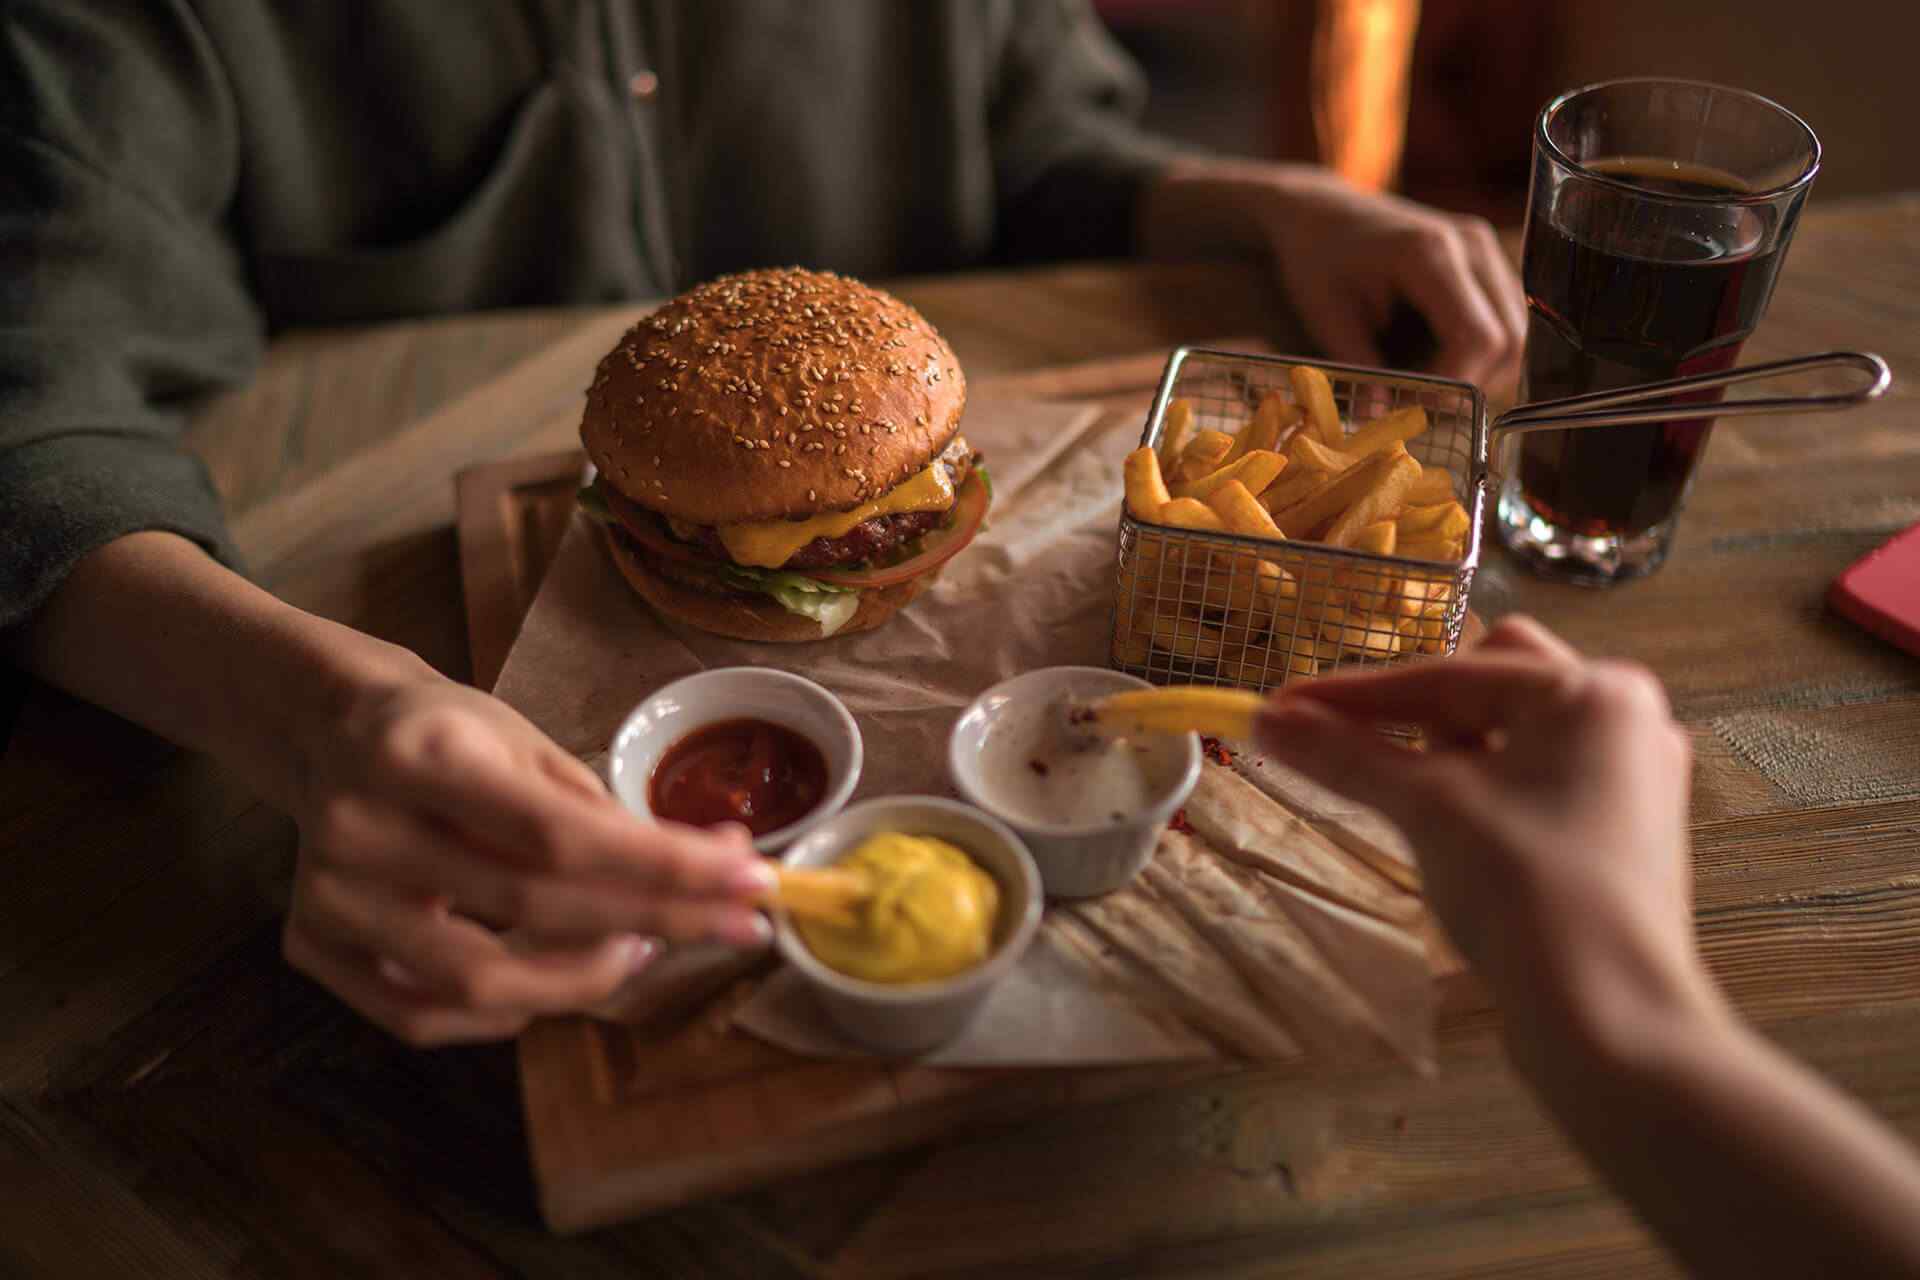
1255 470
1206 452
1219 713
1146 489
1377 503
1314 394
828 894
1175 435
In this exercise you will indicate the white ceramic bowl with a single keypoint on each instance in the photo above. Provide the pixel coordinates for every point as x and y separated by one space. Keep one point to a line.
913 1019
1076 861
733 693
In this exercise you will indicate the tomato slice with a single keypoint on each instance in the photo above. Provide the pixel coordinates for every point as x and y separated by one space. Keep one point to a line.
943 544
644 527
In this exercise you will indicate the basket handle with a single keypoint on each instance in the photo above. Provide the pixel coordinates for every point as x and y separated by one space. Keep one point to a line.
1604 408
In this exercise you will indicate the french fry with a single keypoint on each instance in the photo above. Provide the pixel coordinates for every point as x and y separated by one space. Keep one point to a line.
1373 634
1301 660
1242 513
1305 451
1314 394
1434 485
1262 432
1190 513
1241 584
1147 494
1221 713
1428 548
1175 434
1377 538
1203 453
1378 502
1335 494
1255 470
1188 637
1295 484
1417 520
1133 649
1383 432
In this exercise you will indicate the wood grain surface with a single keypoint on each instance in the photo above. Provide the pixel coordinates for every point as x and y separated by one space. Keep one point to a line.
174 1102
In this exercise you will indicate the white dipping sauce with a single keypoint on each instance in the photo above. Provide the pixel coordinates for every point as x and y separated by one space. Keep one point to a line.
1036 771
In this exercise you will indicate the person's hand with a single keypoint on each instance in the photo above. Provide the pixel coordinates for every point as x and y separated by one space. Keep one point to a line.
1348 259
1549 813
430 807
1345 257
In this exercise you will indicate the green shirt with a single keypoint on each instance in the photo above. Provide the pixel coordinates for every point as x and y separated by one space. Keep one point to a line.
181 178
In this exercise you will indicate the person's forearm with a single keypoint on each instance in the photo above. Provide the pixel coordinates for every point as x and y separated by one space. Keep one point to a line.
1208 205
1741 1160
151 627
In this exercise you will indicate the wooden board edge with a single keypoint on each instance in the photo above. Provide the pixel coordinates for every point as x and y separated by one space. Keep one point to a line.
491 570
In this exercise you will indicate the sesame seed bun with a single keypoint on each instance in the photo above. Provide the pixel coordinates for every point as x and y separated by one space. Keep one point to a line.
771 395
748 617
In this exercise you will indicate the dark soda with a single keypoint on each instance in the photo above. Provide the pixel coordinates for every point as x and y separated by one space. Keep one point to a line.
1623 290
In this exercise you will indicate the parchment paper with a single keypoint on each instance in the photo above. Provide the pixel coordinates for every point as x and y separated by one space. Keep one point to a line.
1033 590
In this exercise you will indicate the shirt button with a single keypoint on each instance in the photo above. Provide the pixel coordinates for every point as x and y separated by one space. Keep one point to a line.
643 85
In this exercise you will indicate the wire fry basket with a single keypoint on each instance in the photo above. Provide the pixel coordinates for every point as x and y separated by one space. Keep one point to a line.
1194 606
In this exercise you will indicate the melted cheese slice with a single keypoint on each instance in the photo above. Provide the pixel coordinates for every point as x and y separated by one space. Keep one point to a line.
771 543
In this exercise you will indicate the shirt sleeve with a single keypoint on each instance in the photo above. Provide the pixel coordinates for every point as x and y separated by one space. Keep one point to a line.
122 296
1069 155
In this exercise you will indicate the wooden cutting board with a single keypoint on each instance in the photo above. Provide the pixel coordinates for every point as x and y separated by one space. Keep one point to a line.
623 1120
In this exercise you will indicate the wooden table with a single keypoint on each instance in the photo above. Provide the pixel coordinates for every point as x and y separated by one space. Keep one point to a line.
173 1101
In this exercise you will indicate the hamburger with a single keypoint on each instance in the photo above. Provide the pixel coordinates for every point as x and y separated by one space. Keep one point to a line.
779 456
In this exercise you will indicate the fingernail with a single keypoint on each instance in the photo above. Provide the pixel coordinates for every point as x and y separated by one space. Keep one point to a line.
636 952
752 879
748 929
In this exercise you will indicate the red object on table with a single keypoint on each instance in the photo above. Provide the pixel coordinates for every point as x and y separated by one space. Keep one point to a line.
1881 591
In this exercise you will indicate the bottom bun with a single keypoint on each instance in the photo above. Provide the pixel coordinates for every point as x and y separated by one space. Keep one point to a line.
747 617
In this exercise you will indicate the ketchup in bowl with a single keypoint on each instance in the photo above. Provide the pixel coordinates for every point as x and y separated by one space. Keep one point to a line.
754 772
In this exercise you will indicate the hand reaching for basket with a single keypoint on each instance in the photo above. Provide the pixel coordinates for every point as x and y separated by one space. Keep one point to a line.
1550 820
